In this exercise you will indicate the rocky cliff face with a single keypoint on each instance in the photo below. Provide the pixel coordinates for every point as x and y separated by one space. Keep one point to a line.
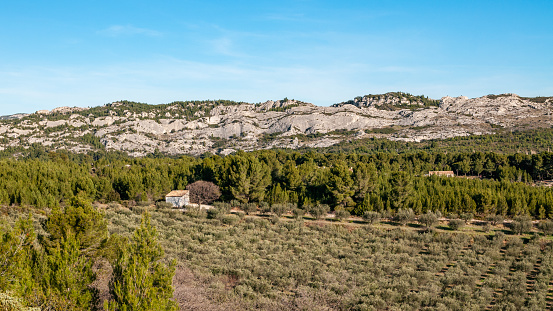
223 127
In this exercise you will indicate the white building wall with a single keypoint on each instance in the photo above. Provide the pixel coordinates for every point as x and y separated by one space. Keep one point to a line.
176 201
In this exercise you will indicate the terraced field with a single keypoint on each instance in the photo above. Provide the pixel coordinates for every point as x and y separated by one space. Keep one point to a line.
245 262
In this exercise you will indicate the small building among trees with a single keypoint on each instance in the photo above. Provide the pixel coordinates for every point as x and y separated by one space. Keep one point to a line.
442 173
179 198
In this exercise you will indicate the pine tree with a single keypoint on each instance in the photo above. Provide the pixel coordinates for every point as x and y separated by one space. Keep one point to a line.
541 212
80 219
16 248
402 189
248 178
140 281
66 276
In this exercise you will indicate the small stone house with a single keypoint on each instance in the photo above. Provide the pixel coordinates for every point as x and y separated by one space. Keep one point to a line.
442 173
179 198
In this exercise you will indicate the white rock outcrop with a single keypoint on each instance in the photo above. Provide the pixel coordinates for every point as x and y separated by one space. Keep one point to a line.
173 129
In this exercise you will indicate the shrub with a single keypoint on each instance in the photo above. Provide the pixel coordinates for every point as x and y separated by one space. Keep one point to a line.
114 205
216 212
249 208
298 213
429 219
163 205
11 303
263 206
452 215
546 227
275 219
341 214
404 216
456 224
371 217
279 209
319 211
521 224
195 211
223 207
230 219
467 217
144 203
495 219
486 227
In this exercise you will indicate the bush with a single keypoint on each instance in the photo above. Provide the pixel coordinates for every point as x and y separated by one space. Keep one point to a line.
163 205
429 219
456 224
467 217
495 219
486 227
279 209
371 217
404 216
215 213
195 211
341 214
319 211
144 203
546 227
265 208
521 224
223 207
230 219
298 213
275 219
249 208
11 303
114 205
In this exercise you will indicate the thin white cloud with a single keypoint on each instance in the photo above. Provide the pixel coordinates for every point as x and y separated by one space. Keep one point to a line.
128 30
284 17
167 79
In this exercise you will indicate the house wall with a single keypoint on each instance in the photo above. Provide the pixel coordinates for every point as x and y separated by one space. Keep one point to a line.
179 202
176 201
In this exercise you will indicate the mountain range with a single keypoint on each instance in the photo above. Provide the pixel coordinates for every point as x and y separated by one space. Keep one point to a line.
222 127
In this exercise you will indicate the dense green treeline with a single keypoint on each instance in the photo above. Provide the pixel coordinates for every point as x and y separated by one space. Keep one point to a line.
503 141
382 182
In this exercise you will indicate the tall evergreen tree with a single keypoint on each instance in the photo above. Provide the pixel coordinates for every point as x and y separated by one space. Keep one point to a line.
80 219
141 282
66 277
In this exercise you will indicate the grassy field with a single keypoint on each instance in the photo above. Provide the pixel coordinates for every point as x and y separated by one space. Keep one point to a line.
247 262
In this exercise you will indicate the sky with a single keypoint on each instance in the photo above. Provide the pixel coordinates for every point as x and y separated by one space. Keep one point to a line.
89 53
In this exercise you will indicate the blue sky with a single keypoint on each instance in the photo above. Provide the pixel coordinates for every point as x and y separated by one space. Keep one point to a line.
88 53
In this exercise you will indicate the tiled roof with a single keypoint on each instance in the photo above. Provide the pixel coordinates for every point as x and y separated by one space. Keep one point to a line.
177 193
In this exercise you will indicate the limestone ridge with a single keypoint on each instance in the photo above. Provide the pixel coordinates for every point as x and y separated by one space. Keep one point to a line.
221 127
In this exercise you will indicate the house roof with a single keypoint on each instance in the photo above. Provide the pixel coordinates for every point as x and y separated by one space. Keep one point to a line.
177 193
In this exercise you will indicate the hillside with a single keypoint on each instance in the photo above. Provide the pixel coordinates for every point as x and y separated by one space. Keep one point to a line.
221 127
